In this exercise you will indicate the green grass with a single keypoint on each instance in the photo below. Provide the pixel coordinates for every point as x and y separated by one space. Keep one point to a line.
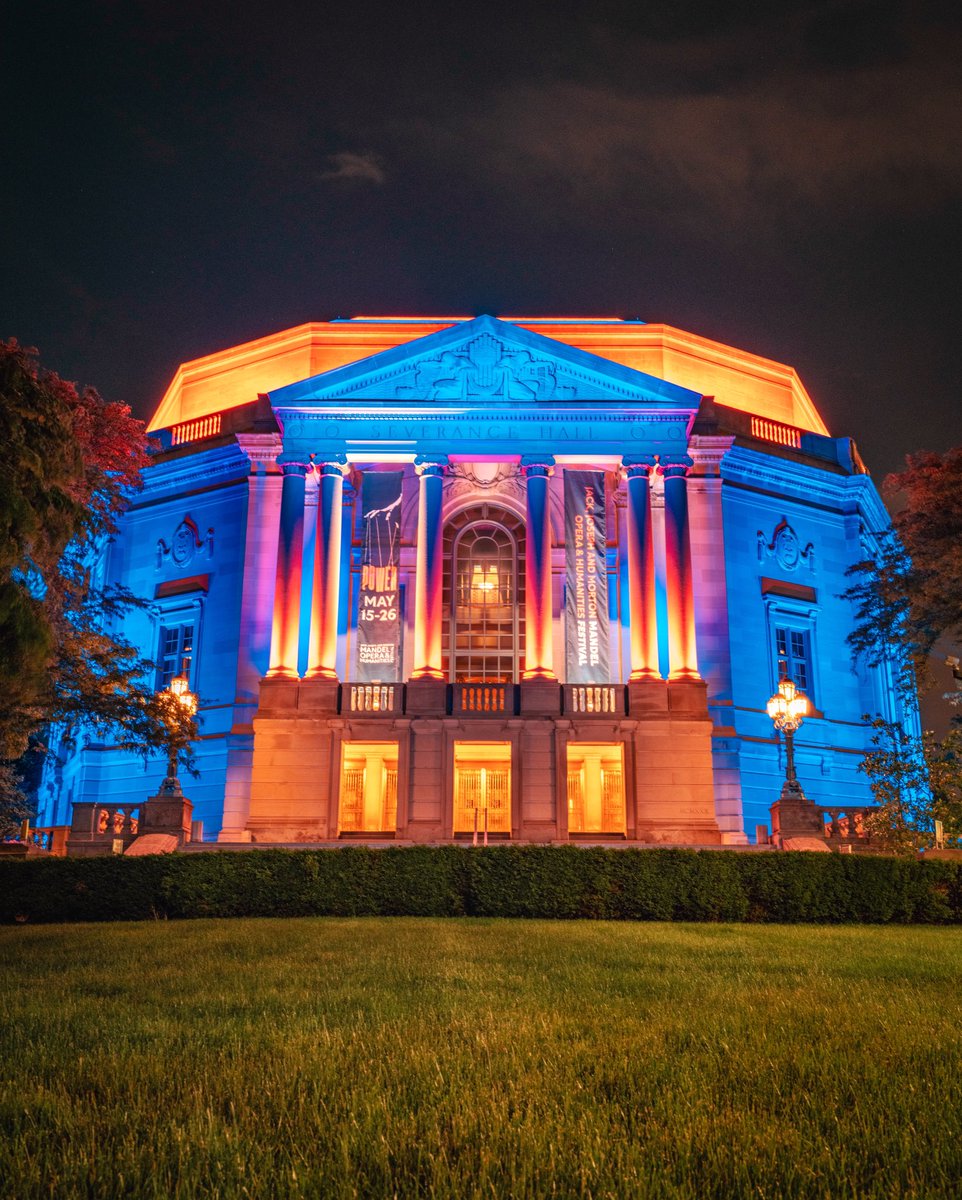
488 1058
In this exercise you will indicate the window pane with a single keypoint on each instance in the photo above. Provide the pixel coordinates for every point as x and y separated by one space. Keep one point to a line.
485 635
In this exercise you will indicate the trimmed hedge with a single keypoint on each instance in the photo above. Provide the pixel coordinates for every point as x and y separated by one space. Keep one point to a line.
499 881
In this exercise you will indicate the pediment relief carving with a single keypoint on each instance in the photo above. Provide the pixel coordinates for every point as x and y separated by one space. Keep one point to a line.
486 368
185 542
785 547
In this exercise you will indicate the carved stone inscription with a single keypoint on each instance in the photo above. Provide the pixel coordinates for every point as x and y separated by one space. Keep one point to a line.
446 431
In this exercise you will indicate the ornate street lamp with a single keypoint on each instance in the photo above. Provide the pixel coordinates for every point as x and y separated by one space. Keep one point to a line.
787 709
182 707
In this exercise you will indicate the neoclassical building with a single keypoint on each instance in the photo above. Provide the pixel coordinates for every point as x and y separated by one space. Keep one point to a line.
534 578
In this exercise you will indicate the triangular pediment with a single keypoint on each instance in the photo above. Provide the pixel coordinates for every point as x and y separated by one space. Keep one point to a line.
485 361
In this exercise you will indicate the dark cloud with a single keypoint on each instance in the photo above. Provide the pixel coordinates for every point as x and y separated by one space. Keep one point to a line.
783 177
760 153
364 168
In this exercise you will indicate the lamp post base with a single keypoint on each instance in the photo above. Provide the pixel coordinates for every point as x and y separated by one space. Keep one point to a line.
794 815
168 812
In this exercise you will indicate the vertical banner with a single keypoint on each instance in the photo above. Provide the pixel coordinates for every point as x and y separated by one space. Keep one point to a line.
586 578
379 601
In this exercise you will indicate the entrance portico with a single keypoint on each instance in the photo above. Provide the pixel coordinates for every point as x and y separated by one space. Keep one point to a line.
481 421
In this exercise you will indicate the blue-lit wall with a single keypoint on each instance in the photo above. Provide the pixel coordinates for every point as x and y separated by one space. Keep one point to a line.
791 531
746 580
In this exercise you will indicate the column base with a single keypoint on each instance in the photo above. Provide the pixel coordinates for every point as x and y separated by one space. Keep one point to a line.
684 674
321 673
645 675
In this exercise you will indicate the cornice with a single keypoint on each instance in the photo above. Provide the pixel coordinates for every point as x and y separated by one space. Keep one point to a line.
784 478
222 464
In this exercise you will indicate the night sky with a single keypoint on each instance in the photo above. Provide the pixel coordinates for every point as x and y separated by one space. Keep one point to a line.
786 178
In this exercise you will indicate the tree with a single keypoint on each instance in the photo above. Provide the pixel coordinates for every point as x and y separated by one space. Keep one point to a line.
916 781
907 597
910 594
70 461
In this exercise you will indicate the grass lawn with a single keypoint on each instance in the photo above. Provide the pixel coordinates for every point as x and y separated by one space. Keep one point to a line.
494 1058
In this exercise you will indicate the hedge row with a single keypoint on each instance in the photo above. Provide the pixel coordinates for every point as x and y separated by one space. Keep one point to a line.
499 881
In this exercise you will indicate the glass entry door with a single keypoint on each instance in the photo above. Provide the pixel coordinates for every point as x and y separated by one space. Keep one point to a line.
368 799
596 788
482 787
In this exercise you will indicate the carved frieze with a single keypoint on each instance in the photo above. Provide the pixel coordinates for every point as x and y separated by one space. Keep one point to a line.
185 543
485 368
785 547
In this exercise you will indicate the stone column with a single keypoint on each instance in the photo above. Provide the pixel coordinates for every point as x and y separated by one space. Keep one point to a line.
322 654
642 610
428 612
538 655
285 634
682 658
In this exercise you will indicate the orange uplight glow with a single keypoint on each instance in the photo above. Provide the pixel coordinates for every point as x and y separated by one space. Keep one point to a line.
682 658
224 380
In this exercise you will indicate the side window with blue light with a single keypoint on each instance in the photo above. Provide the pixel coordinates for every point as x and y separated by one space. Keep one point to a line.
175 653
793 652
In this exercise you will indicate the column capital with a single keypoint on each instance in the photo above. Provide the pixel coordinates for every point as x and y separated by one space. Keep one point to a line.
537 464
675 466
638 466
292 466
330 464
430 464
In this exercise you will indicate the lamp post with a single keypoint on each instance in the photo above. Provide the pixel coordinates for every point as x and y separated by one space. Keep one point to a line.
787 709
182 706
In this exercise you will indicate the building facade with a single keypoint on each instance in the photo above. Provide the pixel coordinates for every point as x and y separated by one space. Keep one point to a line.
530 579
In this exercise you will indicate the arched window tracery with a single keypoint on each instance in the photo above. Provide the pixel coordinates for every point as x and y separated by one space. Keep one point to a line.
483 596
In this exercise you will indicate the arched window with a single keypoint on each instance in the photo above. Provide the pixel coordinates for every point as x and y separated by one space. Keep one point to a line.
483 597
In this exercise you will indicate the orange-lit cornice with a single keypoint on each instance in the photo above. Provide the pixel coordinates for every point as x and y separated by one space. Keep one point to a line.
736 378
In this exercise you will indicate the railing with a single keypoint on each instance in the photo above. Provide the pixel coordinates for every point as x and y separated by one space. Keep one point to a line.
595 699
194 431
846 826
483 699
775 431
51 838
104 823
373 697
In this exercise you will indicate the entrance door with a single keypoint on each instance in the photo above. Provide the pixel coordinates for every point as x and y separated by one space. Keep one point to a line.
482 787
596 788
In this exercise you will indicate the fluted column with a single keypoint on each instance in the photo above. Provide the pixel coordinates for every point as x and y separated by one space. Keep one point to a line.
538 655
322 653
428 615
682 658
643 619
285 633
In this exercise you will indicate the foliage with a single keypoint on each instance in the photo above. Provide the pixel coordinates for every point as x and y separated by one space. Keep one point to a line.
915 782
499 881
910 594
14 806
70 460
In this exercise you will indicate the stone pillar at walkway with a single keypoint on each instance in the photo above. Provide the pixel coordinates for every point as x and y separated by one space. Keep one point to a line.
285 634
682 657
322 652
641 571
538 655
428 615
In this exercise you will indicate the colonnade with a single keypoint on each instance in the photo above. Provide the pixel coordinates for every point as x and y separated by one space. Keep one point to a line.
429 617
